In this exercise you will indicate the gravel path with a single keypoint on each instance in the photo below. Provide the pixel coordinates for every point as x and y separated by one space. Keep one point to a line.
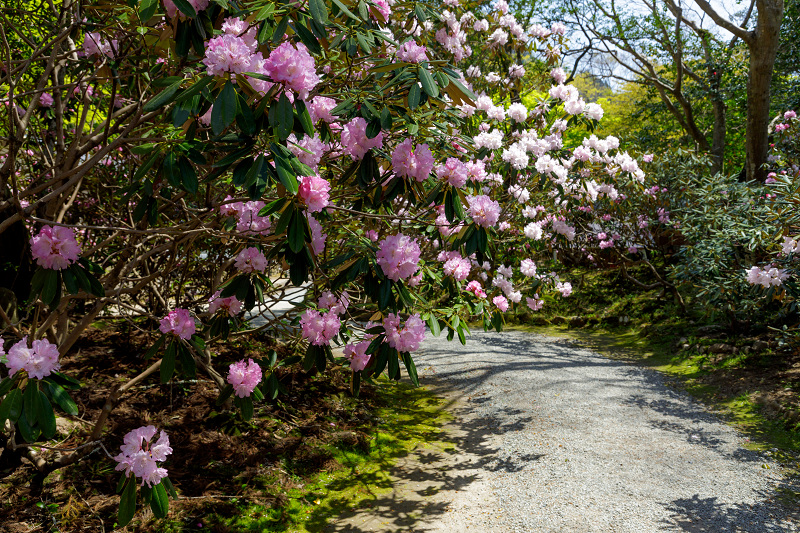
551 437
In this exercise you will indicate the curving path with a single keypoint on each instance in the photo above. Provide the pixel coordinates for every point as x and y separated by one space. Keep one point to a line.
554 438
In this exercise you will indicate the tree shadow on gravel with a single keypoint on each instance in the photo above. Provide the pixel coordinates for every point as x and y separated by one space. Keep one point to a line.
707 515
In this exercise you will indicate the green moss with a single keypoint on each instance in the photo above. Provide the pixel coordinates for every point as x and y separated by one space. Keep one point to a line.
407 418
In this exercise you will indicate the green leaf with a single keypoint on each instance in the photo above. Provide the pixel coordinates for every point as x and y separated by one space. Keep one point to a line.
319 11
195 89
11 408
224 109
307 38
127 502
280 30
62 398
297 232
5 386
344 10
224 394
147 9
168 363
414 94
70 282
164 97
304 116
411 368
28 430
170 488
155 347
47 418
246 406
286 173
272 386
427 81
188 366
159 502
394 365
186 8
285 117
310 358
30 401
188 175
433 323
50 287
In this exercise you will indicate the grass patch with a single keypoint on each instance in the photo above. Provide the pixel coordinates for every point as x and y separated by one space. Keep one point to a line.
343 474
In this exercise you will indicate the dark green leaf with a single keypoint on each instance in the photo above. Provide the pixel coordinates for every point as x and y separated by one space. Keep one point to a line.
11 408
127 502
147 9
413 95
47 418
5 386
163 98
195 89
28 430
411 368
394 364
50 288
170 488
427 81
224 109
155 347
185 7
188 175
285 117
224 394
319 11
69 280
344 9
307 38
168 362
280 30
304 116
159 502
297 232
433 324
30 401
62 399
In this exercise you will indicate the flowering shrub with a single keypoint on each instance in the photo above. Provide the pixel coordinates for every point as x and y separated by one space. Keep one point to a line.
196 160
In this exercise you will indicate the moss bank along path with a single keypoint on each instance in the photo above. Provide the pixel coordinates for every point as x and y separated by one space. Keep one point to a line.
550 437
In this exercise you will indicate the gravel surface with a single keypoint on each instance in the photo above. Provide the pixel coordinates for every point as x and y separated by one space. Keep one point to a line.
553 437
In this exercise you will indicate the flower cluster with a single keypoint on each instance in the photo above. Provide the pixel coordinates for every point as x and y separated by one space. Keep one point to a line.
355 141
178 322
357 355
247 219
484 211
39 361
315 192
766 277
398 256
55 247
412 162
406 338
250 260
244 376
231 304
320 328
141 458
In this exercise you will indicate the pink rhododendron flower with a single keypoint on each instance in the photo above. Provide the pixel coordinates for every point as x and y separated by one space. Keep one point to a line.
528 268
789 115
318 237
244 376
46 100
564 288
39 361
767 277
140 457
95 45
358 356
231 304
336 304
294 67
501 303
314 191
453 172
229 53
355 141
406 338
55 247
484 211
455 265
534 303
178 322
250 260
411 162
411 52
398 256
320 109
248 220
475 288
309 150
319 328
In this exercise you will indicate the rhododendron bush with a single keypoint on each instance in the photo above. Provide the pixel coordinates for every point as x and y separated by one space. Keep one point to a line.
181 165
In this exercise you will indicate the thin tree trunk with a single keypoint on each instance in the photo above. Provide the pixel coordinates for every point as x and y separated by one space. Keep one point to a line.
763 50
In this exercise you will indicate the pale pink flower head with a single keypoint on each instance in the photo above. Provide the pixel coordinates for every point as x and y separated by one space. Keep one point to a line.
484 211
140 457
55 247
39 361
320 109
564 288
559 75
172 10
398 256
178 322
228 53
95 45
528 268
455 265
647 158
230 305
250 260
294 67
319 328
318 237
501 303
406 338
244 376
534 303
453 172
46 100
355 141
475 288
315 192
358 356
411 162
789 115
411 52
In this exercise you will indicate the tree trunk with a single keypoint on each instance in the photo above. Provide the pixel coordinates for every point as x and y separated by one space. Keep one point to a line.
720 127
763 50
